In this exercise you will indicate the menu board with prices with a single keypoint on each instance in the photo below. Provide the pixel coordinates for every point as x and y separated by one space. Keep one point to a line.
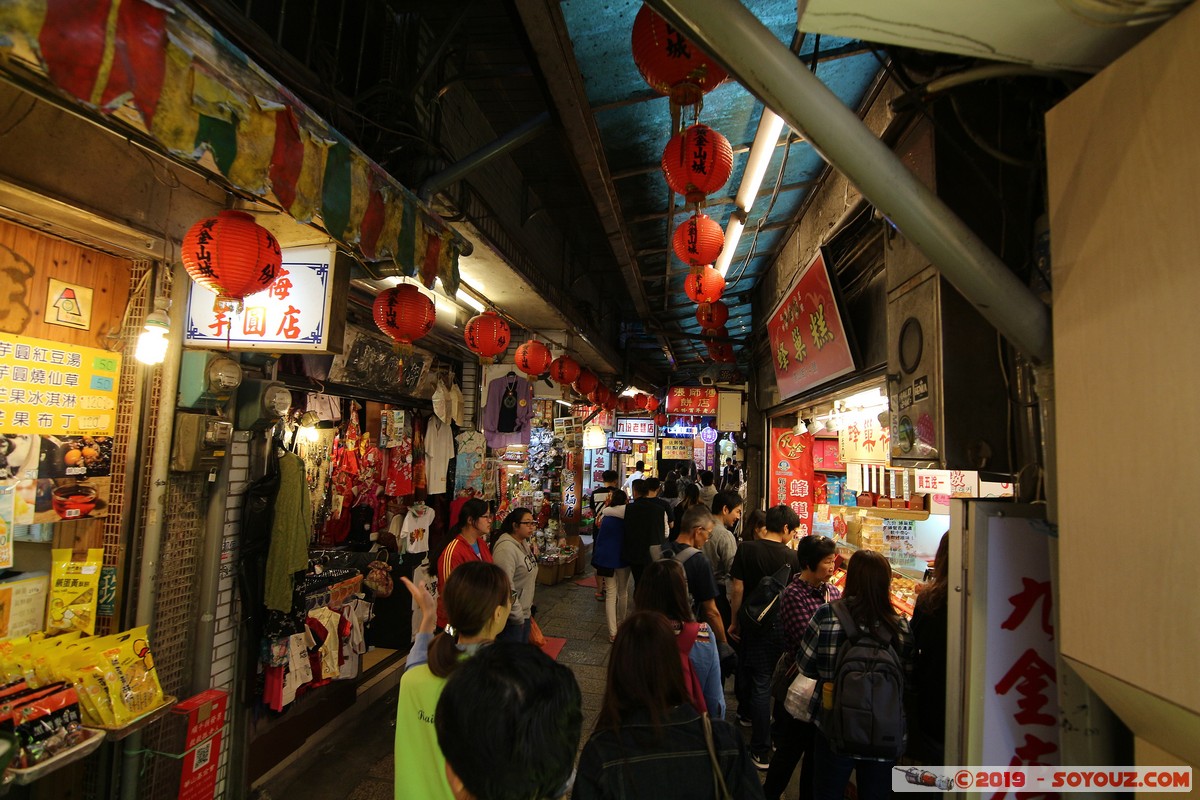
56 389
899 535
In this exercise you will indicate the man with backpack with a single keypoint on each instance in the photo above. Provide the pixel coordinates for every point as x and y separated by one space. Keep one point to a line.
760 571
687 548
861 652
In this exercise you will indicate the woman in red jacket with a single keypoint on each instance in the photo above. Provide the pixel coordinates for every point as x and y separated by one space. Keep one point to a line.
469 544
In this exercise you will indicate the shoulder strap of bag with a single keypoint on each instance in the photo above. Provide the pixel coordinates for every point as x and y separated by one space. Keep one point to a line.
783 574
718 776
846 620
683 555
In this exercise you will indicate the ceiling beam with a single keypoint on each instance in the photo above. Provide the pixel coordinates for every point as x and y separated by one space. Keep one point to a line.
547 30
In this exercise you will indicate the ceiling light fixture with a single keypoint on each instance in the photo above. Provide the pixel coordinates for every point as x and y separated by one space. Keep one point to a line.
466 299
152 341
770 125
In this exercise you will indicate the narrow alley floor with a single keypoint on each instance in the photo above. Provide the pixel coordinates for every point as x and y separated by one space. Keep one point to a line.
356 763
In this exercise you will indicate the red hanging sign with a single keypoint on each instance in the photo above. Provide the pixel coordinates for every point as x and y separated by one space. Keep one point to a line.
808 340
700 400
792 474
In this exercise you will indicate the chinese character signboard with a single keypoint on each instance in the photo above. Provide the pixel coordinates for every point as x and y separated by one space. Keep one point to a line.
809 345
1020 699
862 440
792 477
572 490
700 400
54 389
677 449
635 428
290 314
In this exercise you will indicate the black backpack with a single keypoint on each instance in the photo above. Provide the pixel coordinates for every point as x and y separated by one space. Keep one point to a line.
867 718
759 609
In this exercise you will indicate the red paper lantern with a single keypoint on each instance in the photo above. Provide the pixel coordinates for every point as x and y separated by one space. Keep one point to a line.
640 400
586 383
610 400
671 63
404 313
698 241
721 351
533 358
232 256
660 420
697 162
704 285
626 404
487 336
712 315
652 403
716 333
564 370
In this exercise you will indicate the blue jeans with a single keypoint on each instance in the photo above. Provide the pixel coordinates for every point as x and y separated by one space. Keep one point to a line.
873 778
761 653
515 632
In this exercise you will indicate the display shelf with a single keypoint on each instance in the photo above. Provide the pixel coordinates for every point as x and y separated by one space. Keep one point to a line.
912 573
136 724
828 469
884 513
92 740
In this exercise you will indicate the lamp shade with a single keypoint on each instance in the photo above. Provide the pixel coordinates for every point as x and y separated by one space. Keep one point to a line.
594 438
712 315
704 285
487 336
564 370
586 383
533 358
697 162
672 64
698 241
231 255
404 313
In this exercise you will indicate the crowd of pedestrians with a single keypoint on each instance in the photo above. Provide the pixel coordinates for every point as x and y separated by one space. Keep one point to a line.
696 594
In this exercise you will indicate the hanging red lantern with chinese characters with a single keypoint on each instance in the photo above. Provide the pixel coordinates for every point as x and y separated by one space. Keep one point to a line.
721 351
232 256
640 400
660 420
610 400
652 403
704 285
586 383
404 313
712 315
626 404
697 162
670 62
698 241
564 370
487 336
533 358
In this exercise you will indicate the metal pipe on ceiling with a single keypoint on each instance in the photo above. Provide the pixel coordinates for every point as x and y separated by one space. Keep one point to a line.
508 142
768 69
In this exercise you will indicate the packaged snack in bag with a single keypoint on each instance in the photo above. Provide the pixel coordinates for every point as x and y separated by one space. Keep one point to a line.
48 724
74 590
83 665
137 690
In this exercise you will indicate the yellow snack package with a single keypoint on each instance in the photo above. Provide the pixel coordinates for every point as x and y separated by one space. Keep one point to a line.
74 588
83 665
44 658
137 690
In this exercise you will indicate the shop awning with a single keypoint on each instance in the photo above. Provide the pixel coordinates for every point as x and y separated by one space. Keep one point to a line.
161 74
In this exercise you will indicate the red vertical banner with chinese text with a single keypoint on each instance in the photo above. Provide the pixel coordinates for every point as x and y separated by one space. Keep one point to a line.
809 343
572 491
1020 720
792 476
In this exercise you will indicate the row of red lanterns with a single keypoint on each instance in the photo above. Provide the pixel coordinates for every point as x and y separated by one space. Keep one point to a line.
696 163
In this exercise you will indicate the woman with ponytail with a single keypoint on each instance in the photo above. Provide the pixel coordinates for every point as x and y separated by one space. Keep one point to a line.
469 544
476 598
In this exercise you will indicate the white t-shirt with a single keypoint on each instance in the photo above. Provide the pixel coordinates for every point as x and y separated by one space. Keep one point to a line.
415 530
628 486
439 449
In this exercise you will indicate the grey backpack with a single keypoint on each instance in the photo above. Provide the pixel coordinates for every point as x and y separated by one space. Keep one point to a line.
867 718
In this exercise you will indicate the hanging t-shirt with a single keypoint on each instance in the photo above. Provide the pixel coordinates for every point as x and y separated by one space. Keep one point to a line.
414 532
439 449
468 471
399 456
508 411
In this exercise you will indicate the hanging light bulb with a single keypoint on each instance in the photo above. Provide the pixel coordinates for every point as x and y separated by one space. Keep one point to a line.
152 341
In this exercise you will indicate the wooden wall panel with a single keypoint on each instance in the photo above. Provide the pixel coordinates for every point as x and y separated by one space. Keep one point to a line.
1124 187
28 260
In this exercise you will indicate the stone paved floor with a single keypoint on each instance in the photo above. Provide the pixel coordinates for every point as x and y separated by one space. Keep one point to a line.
357 763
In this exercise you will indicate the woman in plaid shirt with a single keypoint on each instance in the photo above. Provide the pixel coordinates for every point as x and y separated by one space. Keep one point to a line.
808 591
868 597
